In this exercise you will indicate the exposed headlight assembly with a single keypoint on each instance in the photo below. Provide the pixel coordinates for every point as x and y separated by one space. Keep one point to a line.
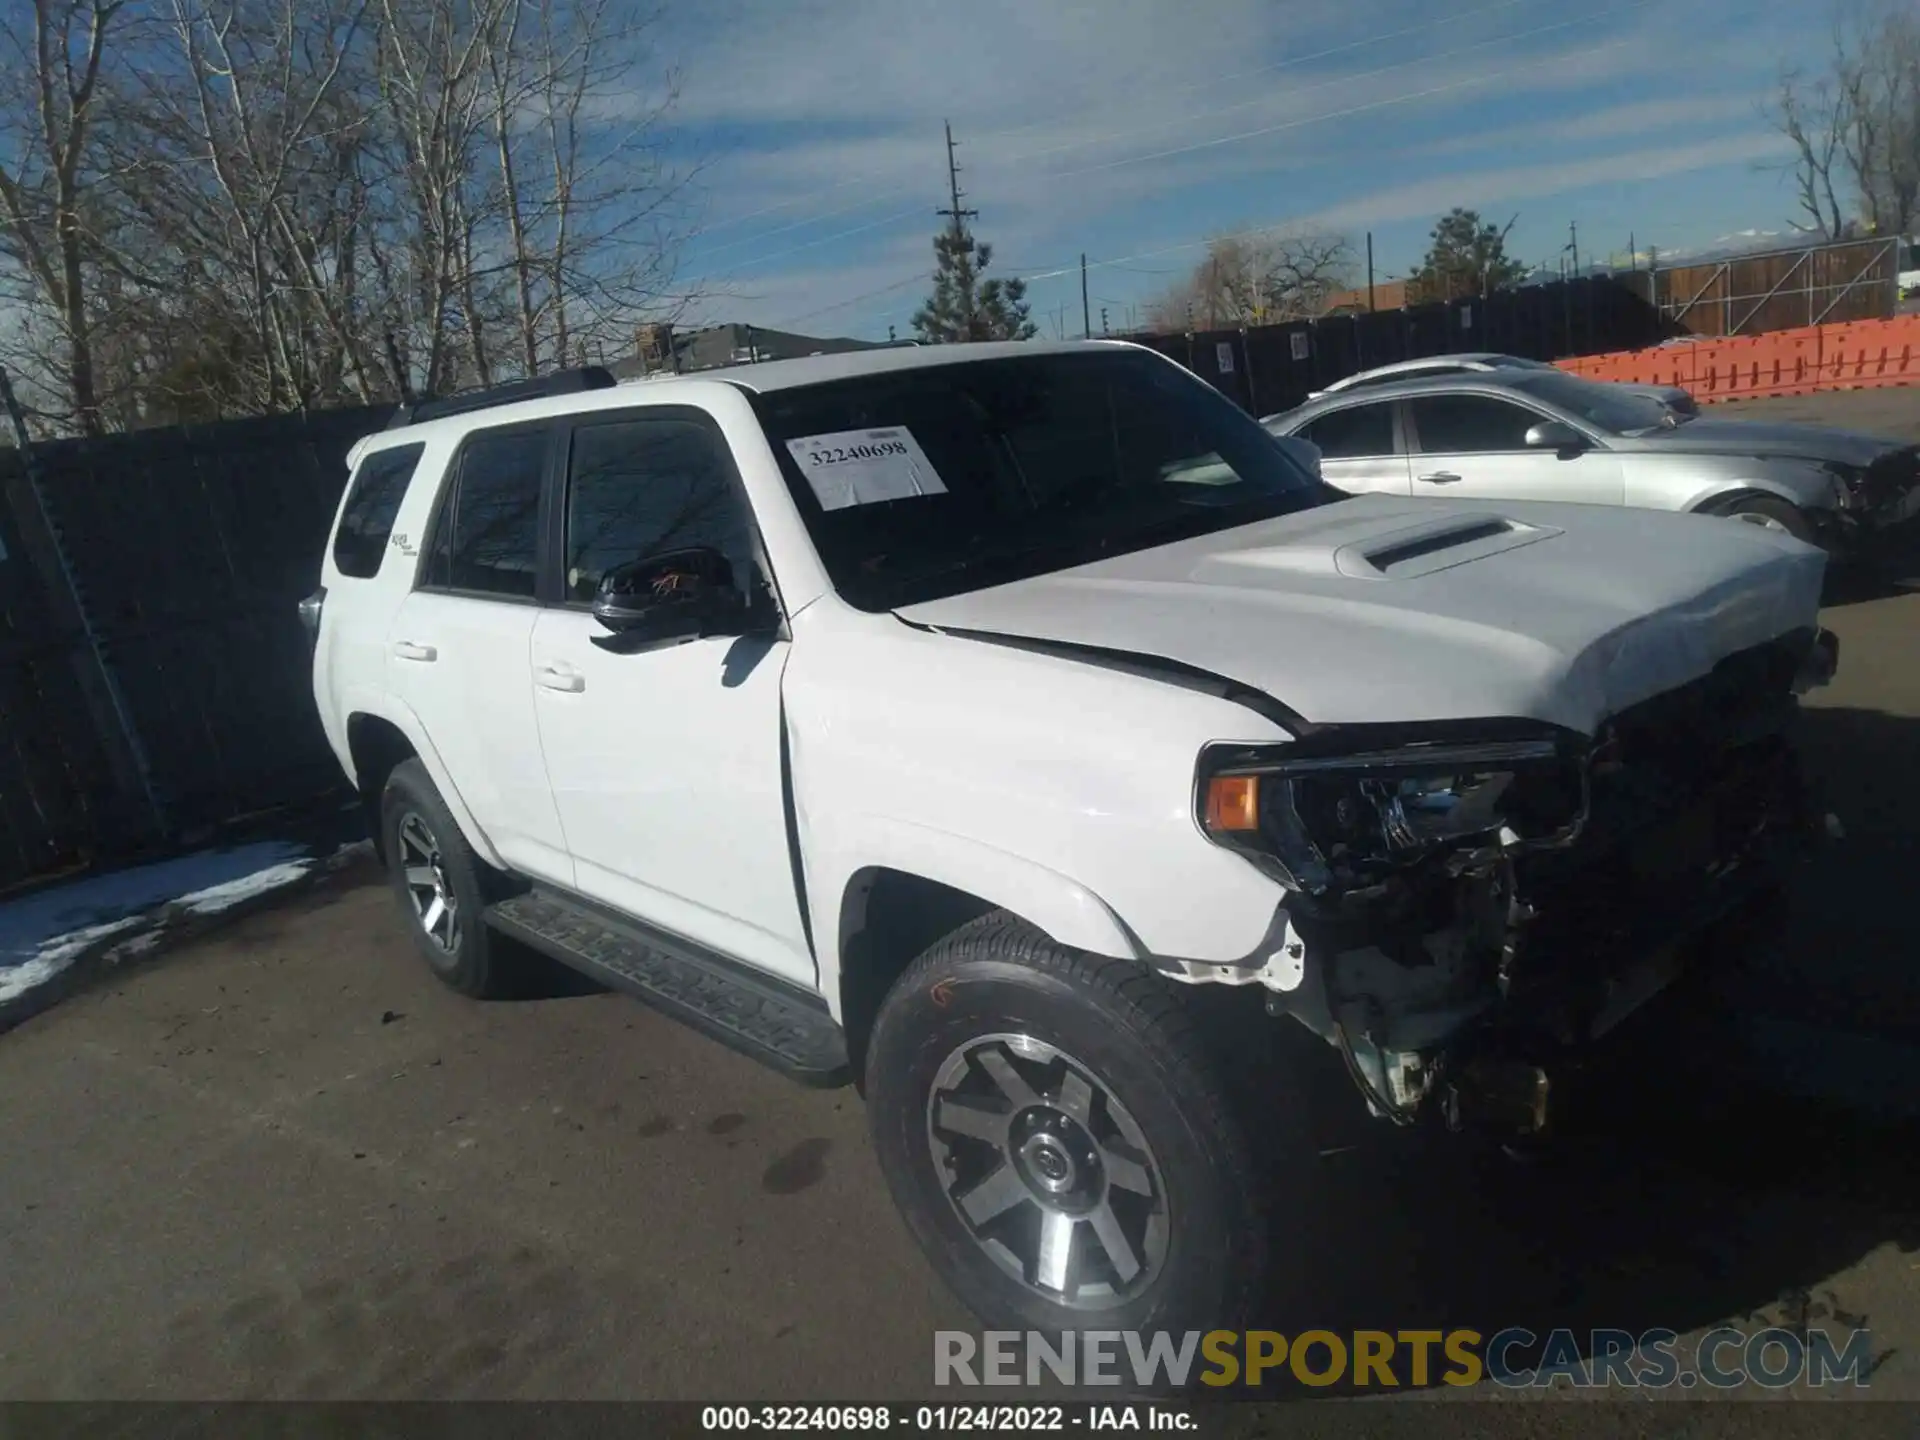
1338 822
1847 480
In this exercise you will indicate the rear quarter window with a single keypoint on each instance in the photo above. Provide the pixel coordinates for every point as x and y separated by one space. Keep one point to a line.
373 502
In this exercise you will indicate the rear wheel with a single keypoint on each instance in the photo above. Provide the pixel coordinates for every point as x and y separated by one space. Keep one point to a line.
1772 514
437 878
1057 1139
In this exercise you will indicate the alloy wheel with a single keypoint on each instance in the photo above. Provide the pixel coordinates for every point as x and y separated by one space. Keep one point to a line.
1048 1172
435 905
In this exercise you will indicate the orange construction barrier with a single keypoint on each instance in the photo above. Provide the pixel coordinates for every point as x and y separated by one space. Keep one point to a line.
1862 354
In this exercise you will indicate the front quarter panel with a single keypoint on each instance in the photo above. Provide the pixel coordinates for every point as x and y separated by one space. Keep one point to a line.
1058 790
1689 482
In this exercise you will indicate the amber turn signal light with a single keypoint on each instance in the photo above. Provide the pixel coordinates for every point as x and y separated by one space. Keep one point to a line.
1233 803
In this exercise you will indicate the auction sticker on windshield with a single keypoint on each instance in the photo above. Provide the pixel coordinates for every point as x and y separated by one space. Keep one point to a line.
865 467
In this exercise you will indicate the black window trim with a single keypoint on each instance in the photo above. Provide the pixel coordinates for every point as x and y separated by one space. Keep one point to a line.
1396 420
1411 426
553 545
449 482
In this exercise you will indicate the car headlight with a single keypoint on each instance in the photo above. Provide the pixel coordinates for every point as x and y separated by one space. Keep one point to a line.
1847 480
1336 822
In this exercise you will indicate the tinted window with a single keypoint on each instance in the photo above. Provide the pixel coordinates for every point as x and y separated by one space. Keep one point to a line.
488 536
1364 430
366 521
953 477
640 487
1469 424
1610 407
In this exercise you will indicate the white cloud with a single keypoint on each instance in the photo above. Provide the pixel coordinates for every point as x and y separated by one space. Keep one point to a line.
1519 182
1641 117
1132 113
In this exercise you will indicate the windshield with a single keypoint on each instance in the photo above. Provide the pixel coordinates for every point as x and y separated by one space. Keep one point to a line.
922 483
1610 408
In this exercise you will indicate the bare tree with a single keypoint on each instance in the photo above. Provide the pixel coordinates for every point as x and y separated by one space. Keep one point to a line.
1249 279
312 202
45 179
1855 127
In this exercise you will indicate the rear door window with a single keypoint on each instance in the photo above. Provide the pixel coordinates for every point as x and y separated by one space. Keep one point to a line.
373 502
1360 432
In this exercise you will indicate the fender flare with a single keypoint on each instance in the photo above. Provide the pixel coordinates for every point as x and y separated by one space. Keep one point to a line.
1067 911
1731 493
397 714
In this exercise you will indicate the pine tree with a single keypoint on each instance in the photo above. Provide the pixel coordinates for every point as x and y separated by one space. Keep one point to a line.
1466 256
965 307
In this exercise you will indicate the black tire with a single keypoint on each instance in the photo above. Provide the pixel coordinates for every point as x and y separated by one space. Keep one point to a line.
476 962
1127 1033
1764 509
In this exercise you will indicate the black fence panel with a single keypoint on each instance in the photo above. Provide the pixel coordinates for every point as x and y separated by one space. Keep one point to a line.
1270 368
181 556
56 788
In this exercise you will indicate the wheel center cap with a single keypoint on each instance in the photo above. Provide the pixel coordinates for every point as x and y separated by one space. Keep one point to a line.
1049 1163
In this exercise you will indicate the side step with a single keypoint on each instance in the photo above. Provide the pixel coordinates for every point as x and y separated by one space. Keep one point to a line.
776 1024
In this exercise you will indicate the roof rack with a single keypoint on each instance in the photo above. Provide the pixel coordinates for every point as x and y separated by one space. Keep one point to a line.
563 382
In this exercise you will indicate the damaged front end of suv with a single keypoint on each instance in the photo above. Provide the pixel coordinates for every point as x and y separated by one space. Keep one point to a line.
1473 903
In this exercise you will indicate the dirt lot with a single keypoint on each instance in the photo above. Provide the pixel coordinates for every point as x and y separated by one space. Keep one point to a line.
284 1163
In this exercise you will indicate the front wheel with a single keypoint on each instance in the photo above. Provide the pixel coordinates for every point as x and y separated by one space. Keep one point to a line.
1059 1141
1772 514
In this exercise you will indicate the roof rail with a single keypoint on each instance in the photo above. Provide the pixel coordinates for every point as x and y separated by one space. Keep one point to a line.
562 382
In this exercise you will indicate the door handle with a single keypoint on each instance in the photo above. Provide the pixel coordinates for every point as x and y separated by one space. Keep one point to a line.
408 650
553 678
1440 477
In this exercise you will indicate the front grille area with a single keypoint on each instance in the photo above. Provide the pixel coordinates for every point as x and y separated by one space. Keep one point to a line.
1890 477
1687 790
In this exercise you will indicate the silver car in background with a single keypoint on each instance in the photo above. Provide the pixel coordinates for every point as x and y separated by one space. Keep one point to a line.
1483 362
1547 435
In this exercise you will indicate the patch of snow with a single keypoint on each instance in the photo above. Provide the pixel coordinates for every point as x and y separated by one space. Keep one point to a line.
57 954
215 898
28 925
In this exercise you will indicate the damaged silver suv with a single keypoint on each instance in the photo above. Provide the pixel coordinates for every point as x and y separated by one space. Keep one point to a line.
955 721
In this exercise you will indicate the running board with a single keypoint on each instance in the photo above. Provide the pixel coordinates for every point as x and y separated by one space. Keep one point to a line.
758 1016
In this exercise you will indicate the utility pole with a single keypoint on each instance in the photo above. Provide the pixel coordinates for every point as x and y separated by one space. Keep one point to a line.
1086 312
958 219
1370 306
1573 244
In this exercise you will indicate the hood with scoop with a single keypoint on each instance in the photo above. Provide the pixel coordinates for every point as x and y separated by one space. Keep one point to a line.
1379 609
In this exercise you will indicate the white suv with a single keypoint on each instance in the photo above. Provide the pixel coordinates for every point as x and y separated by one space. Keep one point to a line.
956 720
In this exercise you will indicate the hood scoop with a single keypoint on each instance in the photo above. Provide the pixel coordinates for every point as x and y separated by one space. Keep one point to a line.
1376 552
1436 545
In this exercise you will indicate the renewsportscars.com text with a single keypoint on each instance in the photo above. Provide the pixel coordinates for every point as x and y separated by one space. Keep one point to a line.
1516 1358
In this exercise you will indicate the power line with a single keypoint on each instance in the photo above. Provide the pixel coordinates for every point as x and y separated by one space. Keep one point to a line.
1123 262
853 300
1370 75
1309 120
1261 132
1211 83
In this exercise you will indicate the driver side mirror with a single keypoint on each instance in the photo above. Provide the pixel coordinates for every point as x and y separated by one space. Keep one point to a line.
668 599
1558 436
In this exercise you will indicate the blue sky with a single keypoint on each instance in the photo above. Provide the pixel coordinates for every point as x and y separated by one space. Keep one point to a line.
1133 129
